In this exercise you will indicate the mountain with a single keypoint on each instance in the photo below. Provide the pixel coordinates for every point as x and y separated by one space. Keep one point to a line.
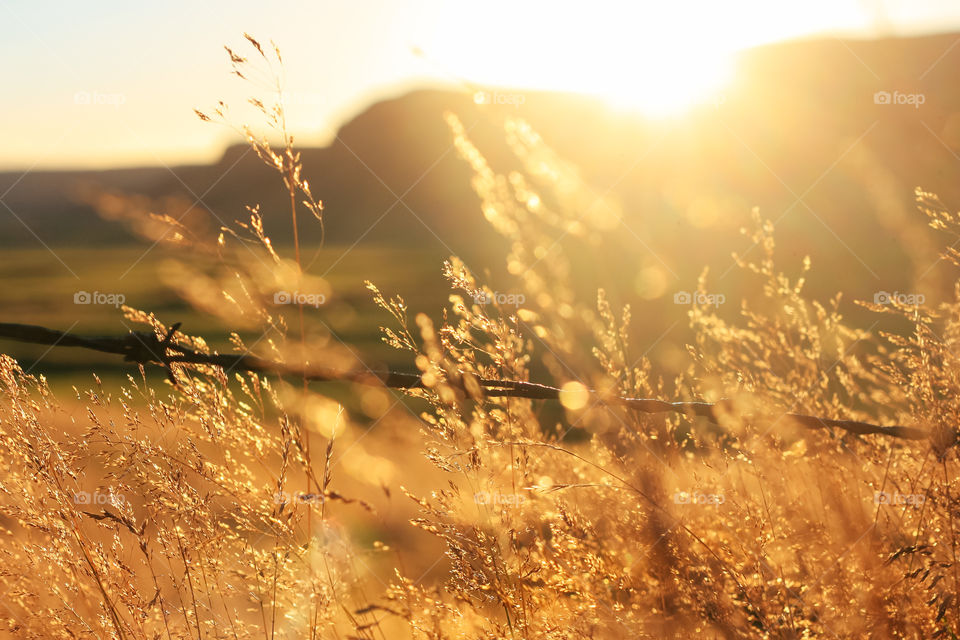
803 134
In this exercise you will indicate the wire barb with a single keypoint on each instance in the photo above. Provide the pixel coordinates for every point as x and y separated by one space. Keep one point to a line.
146 348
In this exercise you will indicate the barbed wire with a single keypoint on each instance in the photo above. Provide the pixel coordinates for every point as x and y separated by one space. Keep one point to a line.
148 348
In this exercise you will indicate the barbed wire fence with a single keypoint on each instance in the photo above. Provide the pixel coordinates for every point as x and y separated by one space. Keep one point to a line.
147 348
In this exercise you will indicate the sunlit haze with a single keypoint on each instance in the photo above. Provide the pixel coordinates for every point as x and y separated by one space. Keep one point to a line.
513 319
114 84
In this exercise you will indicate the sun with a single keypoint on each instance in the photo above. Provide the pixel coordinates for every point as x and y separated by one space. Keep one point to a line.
669 89
655 64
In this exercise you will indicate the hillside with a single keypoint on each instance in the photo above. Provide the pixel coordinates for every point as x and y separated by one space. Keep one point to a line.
799 135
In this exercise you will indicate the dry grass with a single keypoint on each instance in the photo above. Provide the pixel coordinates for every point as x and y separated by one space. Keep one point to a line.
183 511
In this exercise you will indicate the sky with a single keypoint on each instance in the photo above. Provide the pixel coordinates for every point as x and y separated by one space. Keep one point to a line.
110 83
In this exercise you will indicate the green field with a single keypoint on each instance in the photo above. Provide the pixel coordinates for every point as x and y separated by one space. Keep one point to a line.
37 286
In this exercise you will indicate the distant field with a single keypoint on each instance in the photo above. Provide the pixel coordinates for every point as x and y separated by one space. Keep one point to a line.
37 286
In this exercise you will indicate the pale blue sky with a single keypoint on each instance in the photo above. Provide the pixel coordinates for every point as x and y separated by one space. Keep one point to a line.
113 83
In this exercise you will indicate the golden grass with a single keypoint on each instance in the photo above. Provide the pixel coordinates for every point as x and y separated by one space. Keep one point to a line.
182 511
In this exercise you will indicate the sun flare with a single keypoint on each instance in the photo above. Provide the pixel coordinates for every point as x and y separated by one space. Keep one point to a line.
671 88
656 66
